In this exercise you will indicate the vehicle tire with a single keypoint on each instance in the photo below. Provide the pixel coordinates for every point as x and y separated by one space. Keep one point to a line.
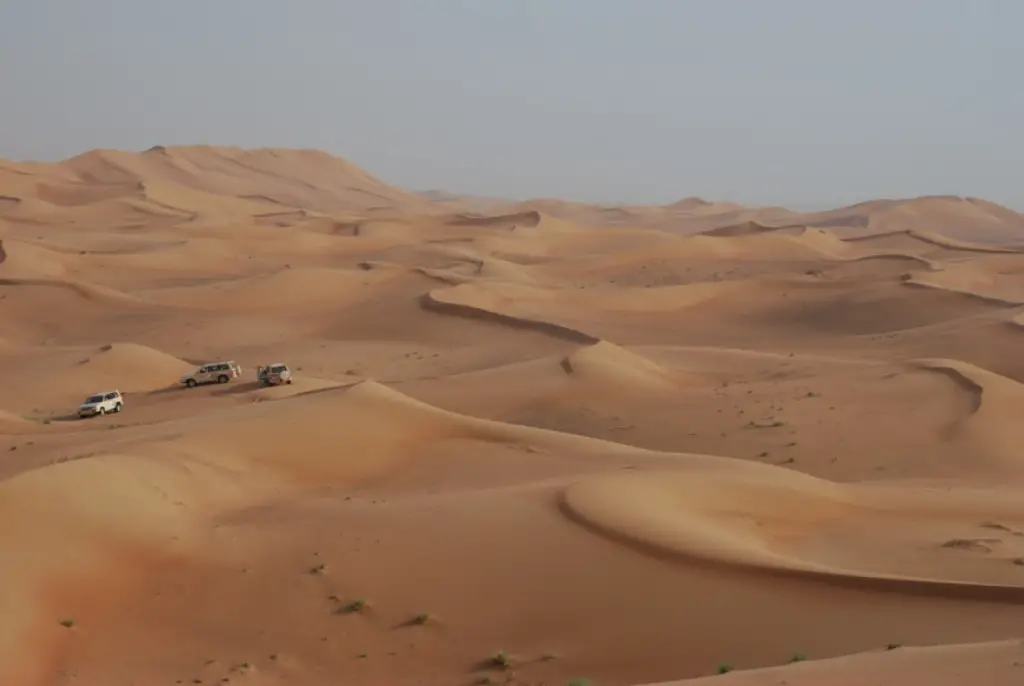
103 411
223 378
118 407
289 381
191 383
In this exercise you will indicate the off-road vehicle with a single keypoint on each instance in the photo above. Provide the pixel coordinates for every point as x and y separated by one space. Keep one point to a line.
214 372
273 374
101 403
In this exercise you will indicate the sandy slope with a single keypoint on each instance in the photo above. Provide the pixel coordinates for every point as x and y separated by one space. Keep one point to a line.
997 663
627 444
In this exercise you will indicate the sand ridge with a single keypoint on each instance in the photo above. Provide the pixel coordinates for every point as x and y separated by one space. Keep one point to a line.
768 432
995 663
994 399
748 522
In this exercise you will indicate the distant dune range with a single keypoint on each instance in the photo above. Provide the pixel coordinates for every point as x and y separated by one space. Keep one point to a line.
526 442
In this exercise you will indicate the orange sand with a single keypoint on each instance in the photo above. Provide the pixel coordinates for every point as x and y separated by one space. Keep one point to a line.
626 444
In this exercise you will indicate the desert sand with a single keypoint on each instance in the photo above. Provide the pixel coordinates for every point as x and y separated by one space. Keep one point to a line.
537 442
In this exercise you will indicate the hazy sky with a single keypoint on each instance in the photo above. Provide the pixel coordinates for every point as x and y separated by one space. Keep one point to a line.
805 103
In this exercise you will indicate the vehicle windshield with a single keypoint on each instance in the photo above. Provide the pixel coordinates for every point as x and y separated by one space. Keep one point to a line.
93 399
278 368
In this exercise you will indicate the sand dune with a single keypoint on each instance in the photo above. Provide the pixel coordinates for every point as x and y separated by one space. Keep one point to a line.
77 290
477 303
969 279
687 216
967 219
800 306
876 263
610 363
810 243
955 218
451 262
506 221
706 257
295 178
10 422
695 517
75 194
725 402
920 238
22 260
219 465
995 663
926 245
470 269
278 291
222 462
747 228
61 379
771 433
144 368
994 402
202 204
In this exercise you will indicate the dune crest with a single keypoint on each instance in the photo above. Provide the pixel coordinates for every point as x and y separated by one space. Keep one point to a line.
65 377
478 305
19 260
608 363
686 513
749 519
142 364
991 427
994 664
747 228
927 238
288 177
968 279
529 219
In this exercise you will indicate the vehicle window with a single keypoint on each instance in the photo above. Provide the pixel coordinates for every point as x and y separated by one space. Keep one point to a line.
94 399
111 396
278 368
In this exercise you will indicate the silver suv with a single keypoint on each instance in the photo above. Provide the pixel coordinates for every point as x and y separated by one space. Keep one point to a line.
101 403
274 374
214 372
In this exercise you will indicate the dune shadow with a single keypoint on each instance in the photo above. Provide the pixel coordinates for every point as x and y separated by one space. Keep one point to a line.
162 391
420 621
430 302
236 388
487 665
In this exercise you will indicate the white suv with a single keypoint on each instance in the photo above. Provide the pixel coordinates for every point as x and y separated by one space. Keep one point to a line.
215 372
273 374
101 403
